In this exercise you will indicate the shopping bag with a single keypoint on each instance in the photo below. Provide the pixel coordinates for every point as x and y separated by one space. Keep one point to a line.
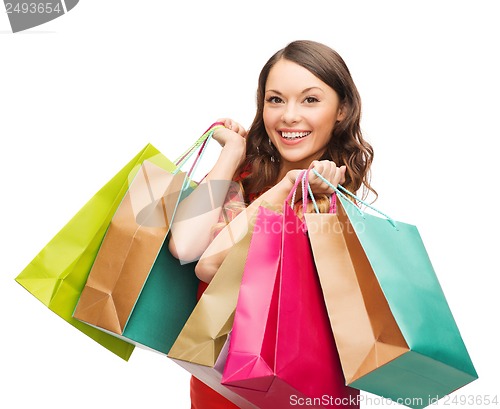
282 352
134 290
165 303
57 275
206 329
251 360
201 346
394 330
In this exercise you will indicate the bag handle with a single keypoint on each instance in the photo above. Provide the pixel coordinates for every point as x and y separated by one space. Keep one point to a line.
293 192
340 190
333 197
302 178
203 141
182 159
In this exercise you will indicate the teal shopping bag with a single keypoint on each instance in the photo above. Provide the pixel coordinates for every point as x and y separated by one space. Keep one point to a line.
165 303
431 360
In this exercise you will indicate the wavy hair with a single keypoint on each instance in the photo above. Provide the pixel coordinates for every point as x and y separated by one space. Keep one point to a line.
346 146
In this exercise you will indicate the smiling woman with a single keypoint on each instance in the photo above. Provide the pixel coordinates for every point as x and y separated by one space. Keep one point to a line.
306 87
299 116
308 114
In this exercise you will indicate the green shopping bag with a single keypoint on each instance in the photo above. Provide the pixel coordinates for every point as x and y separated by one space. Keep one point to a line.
136 289
421 357
57 275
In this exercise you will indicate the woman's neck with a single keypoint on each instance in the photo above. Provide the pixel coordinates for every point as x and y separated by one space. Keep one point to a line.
286 166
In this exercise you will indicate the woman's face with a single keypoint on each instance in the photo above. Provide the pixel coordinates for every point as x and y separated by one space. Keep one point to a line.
300 112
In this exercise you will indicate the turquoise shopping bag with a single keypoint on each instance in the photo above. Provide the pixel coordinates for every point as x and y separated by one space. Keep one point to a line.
421 357
166 301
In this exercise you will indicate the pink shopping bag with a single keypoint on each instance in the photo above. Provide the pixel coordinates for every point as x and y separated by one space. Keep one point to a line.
282 351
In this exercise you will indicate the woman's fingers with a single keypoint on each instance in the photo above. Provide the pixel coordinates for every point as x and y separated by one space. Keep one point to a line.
341 172
229 132
326 170
233 126
329 171
236 127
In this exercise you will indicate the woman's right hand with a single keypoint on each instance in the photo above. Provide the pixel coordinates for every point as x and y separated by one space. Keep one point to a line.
231 125
232 137
232 132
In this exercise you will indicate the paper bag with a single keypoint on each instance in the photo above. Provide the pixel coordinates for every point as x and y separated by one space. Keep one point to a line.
394 330
205 334
282 350
57 275
117 282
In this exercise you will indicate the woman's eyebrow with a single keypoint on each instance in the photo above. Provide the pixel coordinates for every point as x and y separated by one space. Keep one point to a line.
310 89
305 91
274 91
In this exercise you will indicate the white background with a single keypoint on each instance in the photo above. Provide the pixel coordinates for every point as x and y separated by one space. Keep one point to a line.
81 95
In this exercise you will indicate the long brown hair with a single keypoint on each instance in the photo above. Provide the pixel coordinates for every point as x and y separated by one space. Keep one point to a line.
346 147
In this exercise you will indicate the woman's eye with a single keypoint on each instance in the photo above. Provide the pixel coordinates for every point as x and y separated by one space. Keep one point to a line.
311 100
274 100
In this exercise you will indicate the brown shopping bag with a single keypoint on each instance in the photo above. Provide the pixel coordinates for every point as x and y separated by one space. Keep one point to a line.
355 301
129 249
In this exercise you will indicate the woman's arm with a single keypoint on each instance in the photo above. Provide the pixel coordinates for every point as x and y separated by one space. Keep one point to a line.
200 211
275 197
217 251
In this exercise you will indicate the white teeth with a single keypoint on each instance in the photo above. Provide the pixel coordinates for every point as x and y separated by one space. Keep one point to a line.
294 135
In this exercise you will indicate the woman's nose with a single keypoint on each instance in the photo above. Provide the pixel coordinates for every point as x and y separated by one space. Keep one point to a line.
290 114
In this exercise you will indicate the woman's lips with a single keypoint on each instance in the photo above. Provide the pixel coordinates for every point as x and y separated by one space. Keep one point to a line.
293 137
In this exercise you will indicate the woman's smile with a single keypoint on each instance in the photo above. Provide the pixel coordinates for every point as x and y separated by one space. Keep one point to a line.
293 136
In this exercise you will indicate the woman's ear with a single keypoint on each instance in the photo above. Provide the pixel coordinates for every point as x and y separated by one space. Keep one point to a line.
342 113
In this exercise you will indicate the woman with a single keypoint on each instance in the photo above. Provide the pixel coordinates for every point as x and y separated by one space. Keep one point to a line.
308 117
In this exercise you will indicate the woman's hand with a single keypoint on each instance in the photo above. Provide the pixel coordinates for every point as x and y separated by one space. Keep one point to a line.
232 132
328 169
232 137
213 189
232 126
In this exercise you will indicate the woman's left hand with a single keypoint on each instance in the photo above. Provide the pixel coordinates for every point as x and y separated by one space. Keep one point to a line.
329 170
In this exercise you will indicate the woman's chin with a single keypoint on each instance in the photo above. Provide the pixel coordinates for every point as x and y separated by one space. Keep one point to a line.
297 161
